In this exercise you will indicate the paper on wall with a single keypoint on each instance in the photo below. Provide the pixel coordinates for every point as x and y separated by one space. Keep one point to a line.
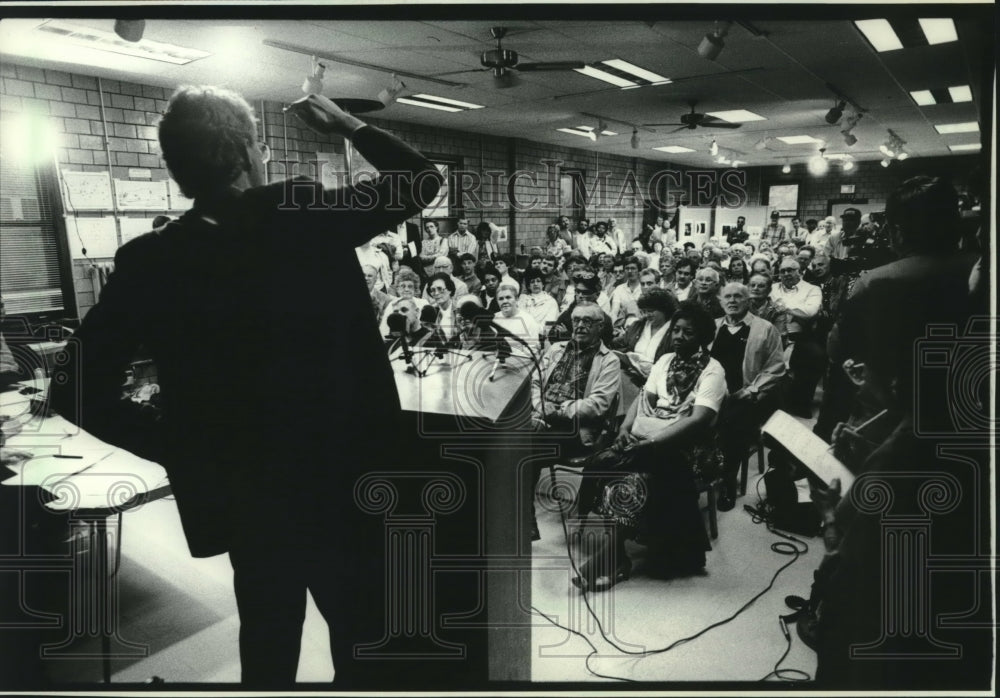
98 235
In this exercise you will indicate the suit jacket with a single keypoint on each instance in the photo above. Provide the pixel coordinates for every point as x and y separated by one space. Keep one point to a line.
258 318
763 362
603 384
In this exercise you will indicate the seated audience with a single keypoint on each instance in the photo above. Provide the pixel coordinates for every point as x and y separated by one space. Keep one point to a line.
684 272
536 302
749 350
489 275
666 442
586 289
505 265
646 340
666 265
624 296
517 322
763 307
441 289
737 270
416 333
443 265
649 279
468 275
407 285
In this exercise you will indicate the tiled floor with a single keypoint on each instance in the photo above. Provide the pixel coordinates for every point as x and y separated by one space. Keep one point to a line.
183 609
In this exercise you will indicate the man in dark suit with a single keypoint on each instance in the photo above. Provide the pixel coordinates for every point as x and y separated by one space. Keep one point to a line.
252 297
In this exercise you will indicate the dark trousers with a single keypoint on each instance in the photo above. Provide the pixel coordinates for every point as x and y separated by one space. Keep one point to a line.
807 362
738 427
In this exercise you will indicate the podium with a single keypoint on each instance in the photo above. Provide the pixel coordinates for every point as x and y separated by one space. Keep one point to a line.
466 535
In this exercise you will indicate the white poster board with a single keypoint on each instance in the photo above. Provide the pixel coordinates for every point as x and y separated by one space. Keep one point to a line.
134 227
87 191
697 222
178 202
99 236
141 195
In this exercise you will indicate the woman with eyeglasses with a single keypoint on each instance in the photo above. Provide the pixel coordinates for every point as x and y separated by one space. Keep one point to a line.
442 291
666 441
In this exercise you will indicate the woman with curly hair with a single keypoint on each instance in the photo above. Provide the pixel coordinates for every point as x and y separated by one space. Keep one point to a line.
666 441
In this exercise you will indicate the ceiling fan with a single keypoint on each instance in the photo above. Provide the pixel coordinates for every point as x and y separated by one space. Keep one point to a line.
503 62
695 120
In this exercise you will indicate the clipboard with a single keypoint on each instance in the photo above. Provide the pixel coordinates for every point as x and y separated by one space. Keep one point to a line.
807 448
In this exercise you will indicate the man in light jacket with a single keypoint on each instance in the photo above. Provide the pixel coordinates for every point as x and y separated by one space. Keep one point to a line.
749 349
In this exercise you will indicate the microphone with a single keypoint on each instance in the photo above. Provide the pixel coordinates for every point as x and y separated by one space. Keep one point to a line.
429 315
397 323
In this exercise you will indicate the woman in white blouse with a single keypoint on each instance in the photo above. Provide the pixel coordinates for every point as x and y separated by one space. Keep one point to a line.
517 322
535 301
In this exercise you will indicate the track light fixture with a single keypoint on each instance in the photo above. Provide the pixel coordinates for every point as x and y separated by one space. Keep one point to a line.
635 139
884 163
819 165
848 165
313 83
130 29
837 111
711 46
714 149
786 168
893 147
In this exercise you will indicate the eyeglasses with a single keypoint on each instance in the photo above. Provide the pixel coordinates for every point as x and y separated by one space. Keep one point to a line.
436 289
584 293
584 322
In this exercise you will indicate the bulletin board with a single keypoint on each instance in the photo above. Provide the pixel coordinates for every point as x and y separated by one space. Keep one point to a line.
98 235
694 224
132 228
784 198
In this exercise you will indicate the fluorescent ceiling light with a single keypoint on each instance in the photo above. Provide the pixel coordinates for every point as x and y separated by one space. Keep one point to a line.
798 140
102 40
635 70
428 105
939 31
964 146
445 100
923 98
606 77
604 132
586 132
674 149
964 127
960 93
737 116
880 34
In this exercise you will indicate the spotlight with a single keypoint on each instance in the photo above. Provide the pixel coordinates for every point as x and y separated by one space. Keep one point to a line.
711 46
313 84
635 139
389 94
902 155
786 168
849 138
886 149
837 111
848 165
884 163
714 149
130 29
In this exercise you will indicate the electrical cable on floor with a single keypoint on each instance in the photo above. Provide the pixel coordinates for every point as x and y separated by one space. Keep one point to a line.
780 547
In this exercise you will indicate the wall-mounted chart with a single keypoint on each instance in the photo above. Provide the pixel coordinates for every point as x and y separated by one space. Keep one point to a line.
87 191
141 195
134 227
178 202
98 235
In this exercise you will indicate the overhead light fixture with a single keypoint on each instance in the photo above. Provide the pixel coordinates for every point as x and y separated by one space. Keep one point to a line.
961 147
891 35
836 111
426 105
711 46
635 139
714 149
101 40
130 29
848 165
737 116
818 164
313 84
634 73
798 140
849 138
389 94
786 168
884 162
952 95
588 131
964 127
893 147
674 149
902 155
616 80
445 100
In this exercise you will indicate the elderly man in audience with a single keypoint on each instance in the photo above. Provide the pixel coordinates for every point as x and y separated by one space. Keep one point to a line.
463 240
801 303
586 289
536 301
706 287
684 272
750 351
441 288
489 275
442 265
416 333
468 275
379 299
579 380
763 307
